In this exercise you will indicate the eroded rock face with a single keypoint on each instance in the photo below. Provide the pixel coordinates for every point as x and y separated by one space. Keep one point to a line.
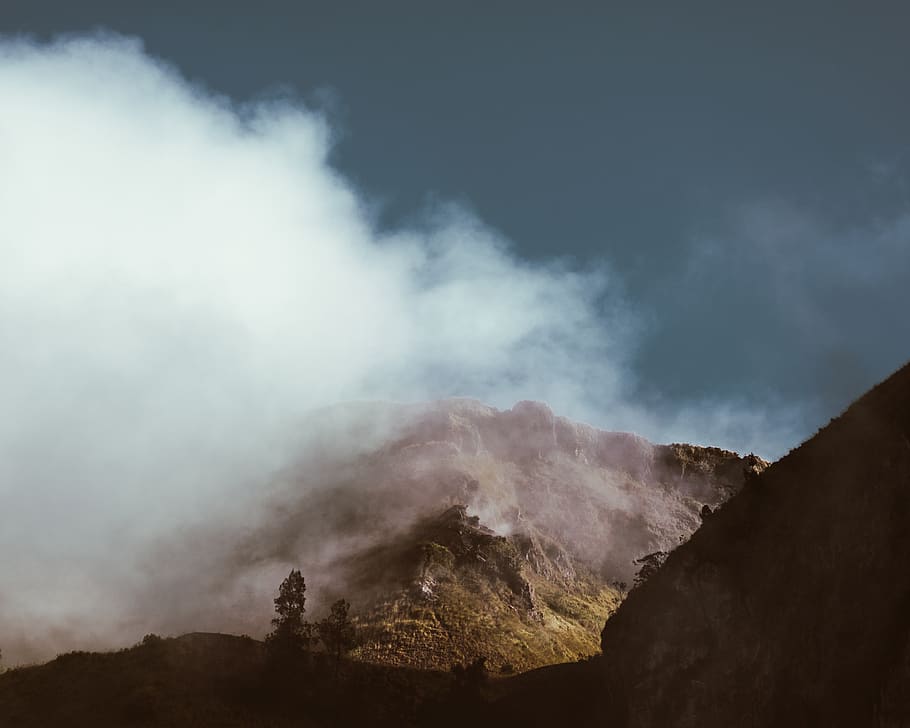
562 510
465 592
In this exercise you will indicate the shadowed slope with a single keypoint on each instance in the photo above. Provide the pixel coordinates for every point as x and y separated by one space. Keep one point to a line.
791 606
206 679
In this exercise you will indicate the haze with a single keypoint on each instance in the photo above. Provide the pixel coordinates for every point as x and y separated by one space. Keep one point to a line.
184 278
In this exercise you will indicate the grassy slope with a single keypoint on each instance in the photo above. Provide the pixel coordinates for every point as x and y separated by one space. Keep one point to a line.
468 593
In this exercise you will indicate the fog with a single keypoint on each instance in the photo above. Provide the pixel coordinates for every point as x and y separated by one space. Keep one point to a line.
183 279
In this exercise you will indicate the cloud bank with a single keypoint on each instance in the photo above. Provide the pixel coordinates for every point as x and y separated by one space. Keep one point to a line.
183 278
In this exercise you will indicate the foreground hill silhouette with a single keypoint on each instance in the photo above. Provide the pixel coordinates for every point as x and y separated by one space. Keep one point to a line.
789 607
204 679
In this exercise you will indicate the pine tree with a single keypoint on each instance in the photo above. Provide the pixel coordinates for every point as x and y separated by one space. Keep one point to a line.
290 629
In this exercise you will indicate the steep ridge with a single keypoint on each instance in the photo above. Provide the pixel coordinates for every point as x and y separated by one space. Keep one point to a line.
791 606
464 531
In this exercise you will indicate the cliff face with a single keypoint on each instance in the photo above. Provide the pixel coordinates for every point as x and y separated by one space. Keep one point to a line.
791 606
545 517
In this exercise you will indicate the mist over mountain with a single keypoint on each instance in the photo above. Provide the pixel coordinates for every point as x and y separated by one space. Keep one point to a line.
185 280
786 607
469 512
412 512
222 362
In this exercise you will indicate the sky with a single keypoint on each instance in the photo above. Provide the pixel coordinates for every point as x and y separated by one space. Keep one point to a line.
743 171
215 221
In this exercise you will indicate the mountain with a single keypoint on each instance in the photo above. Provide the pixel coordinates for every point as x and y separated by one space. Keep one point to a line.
465 531
789 607
454 529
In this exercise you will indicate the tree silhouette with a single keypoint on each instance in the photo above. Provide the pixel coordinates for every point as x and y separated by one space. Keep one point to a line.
337 631
648 566
290 629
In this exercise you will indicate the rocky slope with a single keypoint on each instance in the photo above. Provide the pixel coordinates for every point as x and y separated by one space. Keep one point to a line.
519 600
789 607
461 530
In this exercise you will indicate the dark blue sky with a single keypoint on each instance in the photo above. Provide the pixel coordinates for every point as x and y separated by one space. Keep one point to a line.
744 170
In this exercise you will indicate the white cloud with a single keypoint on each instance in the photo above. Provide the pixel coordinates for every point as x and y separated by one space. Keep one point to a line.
182 279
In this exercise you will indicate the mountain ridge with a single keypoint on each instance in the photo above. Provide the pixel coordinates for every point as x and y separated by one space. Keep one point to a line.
572 505
788 607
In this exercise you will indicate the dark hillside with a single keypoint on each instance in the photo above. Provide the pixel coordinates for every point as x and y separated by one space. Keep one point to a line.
791 606
207 679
